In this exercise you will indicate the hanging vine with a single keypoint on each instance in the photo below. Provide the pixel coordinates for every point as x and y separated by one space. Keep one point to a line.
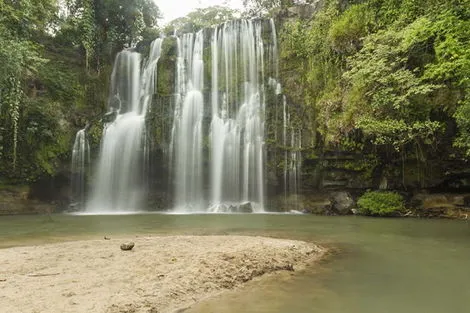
88 31
13 97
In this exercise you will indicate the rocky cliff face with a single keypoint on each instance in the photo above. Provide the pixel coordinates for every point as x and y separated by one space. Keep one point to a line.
327 170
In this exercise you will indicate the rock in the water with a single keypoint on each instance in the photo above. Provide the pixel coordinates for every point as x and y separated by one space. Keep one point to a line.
127 246
342 202
245 208
221 208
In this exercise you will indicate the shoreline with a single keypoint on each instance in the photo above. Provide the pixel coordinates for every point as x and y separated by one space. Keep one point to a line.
161 274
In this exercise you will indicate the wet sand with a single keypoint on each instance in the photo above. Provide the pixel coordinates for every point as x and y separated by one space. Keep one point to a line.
161 274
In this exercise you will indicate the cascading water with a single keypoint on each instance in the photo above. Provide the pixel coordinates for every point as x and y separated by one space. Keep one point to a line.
292 157
294 166
120 173
238 102
187 125
217 145
80 161
235 111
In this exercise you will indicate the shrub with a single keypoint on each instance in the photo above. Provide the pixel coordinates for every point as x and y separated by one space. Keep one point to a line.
380 203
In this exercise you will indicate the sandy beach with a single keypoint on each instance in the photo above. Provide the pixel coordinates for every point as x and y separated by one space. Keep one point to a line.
161 274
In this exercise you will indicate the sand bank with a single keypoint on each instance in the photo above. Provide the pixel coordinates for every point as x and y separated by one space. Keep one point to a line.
161 274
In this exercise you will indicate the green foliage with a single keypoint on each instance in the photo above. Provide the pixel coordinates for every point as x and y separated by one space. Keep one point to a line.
386 75
260 7
346 32
462 116
312 68
102 28
385 97
398 133
20 60
380 79
201 18
87 30
380 203
257 8
27 18
54 74
45 137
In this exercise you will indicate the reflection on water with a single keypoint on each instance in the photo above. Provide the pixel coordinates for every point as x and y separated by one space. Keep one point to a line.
384 265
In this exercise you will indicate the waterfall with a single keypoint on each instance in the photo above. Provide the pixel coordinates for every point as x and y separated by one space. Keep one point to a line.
80 161
294 166
224 77
187 125
292 158
120 176
237 124
229 112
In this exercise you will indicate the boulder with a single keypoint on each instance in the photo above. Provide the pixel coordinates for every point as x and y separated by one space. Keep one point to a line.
222 208
342 202
245 208
127 246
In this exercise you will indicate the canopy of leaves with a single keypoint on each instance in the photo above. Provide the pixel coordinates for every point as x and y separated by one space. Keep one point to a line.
257 8
201 18
383 72
54 74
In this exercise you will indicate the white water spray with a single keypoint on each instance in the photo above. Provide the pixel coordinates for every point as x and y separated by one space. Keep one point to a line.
80 161
218 128
237 124
187 131
120 172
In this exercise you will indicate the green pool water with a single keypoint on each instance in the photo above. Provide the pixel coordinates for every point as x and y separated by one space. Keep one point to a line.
381 265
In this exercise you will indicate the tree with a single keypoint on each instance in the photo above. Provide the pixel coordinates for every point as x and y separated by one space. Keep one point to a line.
105 27
385 97
27 18
54 74
260 7
256 8
20 22
202 18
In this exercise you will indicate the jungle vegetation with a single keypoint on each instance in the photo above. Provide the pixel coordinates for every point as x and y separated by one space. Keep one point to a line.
387 78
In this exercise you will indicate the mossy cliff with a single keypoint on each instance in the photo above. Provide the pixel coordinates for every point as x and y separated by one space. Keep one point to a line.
378 101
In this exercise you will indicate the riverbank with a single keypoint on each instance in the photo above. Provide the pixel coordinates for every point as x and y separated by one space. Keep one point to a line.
19 200
161 274
15 200
444 205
